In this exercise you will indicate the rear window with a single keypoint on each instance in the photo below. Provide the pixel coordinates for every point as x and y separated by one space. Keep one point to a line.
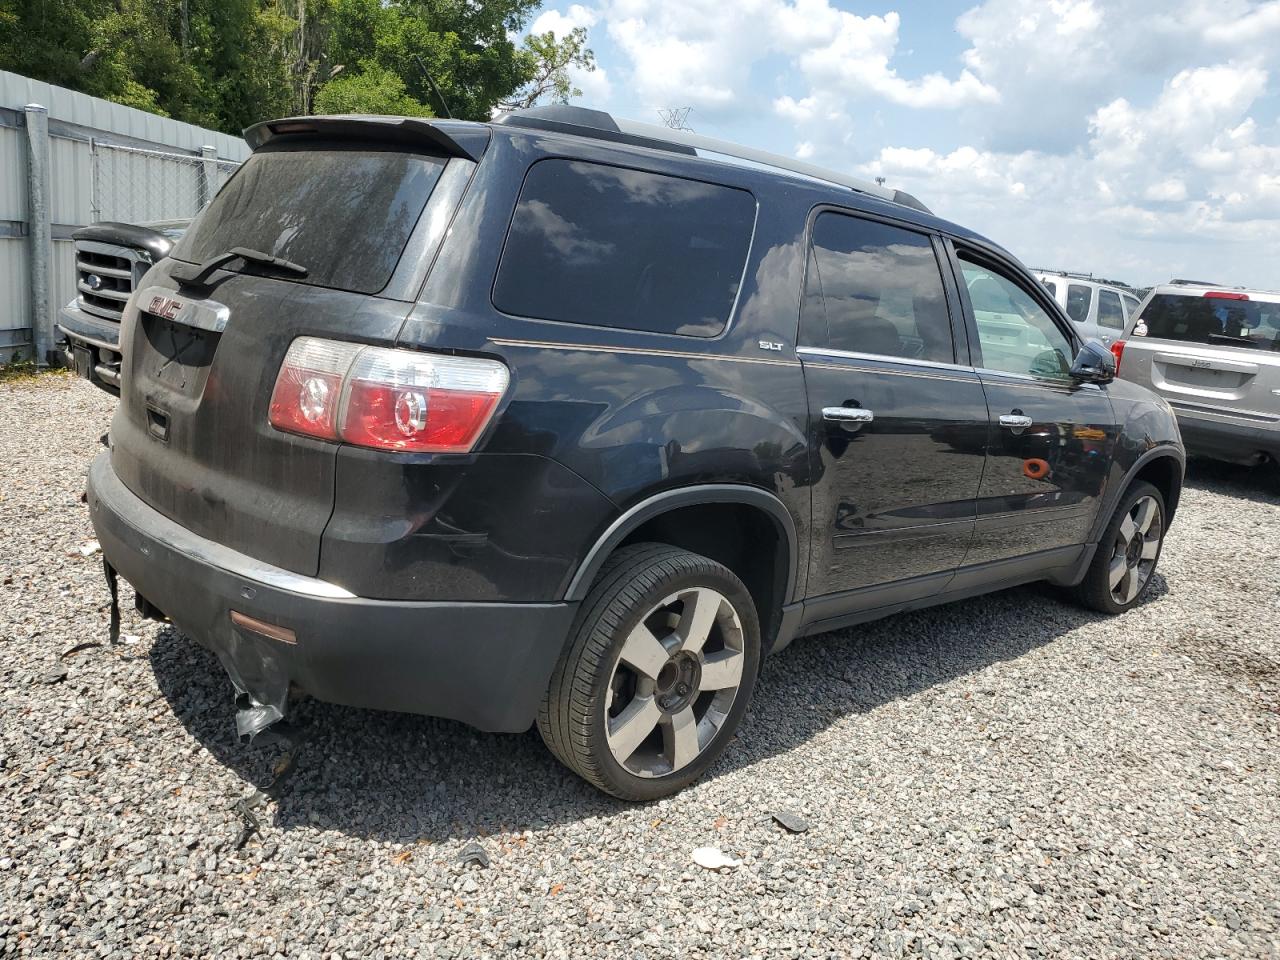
1227 323
344 213
1078 298
614 247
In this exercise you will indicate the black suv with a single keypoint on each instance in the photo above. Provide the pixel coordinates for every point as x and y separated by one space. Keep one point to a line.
555 420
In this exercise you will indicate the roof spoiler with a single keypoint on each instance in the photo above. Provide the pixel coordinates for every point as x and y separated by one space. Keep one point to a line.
454 137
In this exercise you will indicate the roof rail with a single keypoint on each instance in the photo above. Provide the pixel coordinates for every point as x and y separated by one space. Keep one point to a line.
1085 276
1194 283
600 125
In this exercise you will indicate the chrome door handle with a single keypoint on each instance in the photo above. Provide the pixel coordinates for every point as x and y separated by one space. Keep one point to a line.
848 414
1015 421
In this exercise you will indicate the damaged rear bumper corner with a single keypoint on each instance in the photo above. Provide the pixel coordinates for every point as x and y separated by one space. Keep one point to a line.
485 664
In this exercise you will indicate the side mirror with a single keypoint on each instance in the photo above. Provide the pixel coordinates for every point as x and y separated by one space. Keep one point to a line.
1094 363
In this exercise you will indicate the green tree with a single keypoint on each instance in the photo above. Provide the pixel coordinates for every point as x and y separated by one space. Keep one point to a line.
230 63
373 89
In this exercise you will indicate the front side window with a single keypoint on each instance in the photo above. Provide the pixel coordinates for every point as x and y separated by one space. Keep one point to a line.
1015 333
879 291
1078 299
614 247
1110 313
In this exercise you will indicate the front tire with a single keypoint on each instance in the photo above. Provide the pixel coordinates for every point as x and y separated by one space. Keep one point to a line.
1121 571
656 674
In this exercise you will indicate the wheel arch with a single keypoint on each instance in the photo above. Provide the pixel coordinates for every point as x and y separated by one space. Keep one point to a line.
685 516
1162 467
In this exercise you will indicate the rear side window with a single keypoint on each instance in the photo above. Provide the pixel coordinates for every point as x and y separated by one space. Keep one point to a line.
1051 286
344 213
1110 313
1078 297
1213 320
615 247
1131 304
880 291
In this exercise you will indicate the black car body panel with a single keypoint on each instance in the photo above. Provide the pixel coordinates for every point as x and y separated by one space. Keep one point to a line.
605 435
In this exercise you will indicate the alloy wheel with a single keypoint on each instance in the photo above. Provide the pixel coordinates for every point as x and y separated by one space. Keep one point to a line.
1136 548
674 682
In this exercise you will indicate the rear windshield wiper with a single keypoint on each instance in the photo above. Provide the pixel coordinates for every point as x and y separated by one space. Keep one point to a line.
197 275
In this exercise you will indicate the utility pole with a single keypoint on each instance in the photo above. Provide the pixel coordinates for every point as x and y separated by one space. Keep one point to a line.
677 118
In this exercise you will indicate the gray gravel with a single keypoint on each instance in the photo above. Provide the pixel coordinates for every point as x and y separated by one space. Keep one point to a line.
1010 776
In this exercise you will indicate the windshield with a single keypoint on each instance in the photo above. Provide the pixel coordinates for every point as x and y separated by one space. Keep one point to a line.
344 212
1213 320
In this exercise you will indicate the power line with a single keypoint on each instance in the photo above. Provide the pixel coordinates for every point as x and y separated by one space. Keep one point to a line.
677 118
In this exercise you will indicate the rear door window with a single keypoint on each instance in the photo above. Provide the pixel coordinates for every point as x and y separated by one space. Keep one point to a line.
880 291
1078 300
1213 320
344 212
615 247
1110 313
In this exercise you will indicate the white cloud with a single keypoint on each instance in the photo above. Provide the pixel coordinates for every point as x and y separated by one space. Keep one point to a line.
1180 186
562 23
701 52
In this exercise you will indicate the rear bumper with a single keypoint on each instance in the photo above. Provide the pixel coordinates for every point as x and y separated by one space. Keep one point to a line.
1231 440
486 664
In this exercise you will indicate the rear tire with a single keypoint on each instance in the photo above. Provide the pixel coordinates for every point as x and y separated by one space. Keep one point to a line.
1123 566
656 674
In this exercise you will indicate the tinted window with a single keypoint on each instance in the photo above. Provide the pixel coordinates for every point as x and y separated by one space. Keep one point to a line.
623 248
1015 333
1110 313
881 291
344 214
1228 323
1078 297
1051 286
1131 304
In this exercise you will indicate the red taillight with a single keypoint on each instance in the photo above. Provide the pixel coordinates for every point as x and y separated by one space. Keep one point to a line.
1225 295
387 399
1117 351
309 387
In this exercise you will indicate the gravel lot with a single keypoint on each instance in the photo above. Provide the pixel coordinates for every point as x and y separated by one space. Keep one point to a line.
1009 776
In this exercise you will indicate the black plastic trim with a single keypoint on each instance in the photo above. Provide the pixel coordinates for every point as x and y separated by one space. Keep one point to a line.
127 235
669 500
456 138
1117 490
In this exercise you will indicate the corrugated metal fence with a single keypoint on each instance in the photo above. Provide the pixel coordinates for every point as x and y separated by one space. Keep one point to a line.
92 160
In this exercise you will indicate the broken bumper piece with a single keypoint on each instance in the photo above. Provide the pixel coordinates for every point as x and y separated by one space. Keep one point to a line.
485 664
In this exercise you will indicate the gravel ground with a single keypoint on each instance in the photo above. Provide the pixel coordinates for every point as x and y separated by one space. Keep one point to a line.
1009 776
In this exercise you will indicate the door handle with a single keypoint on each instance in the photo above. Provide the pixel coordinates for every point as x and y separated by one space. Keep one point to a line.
1015 421
848 414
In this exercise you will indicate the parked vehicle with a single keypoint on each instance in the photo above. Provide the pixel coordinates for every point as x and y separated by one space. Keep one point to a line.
1213 352
110 261
552 420
1099 308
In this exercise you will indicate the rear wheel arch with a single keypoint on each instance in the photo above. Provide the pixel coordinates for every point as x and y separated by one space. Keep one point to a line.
747 529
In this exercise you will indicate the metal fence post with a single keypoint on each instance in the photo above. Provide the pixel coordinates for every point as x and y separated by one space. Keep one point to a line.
39 229
208 174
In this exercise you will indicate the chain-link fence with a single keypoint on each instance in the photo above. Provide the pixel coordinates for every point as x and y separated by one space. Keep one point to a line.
138 186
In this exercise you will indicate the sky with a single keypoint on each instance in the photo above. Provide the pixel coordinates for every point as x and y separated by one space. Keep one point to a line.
1138 140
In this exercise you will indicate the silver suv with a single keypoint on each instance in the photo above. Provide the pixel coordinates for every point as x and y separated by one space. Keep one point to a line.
1099 308
1214 353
